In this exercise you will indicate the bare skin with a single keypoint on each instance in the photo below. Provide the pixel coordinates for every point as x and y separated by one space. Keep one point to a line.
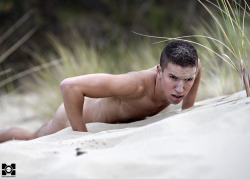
117 98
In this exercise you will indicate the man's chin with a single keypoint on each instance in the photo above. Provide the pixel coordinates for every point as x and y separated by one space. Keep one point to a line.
175 100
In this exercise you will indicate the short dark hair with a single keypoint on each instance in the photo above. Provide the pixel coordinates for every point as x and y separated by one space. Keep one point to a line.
180 53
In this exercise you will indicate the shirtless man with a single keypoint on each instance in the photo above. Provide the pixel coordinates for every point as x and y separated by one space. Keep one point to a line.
123 98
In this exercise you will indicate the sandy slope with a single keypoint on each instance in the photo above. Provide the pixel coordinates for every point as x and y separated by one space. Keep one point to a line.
210 140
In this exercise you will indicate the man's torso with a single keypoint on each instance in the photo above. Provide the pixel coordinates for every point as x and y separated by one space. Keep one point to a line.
137 106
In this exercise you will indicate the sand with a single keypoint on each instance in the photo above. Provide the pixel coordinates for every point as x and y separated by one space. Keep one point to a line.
209 141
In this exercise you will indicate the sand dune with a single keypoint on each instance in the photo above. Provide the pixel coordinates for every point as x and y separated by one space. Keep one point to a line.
209 141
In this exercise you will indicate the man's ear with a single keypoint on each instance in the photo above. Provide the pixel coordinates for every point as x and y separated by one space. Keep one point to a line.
159 71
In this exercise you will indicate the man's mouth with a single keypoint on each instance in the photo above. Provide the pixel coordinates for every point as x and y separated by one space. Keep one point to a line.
177 96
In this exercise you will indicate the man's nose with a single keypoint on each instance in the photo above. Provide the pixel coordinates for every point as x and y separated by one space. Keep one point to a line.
180 87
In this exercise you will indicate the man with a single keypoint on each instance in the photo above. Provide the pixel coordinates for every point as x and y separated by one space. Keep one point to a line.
126 97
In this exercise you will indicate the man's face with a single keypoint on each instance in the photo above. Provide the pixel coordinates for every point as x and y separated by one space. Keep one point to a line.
176 82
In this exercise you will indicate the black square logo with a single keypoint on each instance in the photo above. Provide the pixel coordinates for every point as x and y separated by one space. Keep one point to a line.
8 170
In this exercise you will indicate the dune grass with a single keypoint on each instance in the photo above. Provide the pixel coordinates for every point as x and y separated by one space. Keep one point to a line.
228 41
233 36
7 49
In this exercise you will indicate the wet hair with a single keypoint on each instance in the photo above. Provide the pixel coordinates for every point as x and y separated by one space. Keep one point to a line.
179 53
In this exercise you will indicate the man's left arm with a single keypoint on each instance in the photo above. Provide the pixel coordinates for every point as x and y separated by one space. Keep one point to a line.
189 100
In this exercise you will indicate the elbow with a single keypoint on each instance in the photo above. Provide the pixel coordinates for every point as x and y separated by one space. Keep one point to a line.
67 85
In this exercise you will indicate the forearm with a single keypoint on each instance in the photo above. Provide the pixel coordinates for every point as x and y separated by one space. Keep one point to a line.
190 98
187 103
73 103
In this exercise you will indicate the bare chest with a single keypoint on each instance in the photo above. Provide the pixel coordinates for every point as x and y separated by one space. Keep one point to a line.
114 110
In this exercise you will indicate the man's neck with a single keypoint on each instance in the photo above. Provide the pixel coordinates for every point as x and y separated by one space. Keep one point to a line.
158 92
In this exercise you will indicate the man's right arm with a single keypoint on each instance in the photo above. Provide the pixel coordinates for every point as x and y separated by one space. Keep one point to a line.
73 104
94 86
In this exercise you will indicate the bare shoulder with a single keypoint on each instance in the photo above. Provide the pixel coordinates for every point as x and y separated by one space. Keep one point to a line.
199 63
145 79
145 75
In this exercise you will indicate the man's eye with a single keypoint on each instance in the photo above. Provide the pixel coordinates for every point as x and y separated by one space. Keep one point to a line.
189 79
173 77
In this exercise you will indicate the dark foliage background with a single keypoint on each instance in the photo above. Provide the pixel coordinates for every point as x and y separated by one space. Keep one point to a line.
104 23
